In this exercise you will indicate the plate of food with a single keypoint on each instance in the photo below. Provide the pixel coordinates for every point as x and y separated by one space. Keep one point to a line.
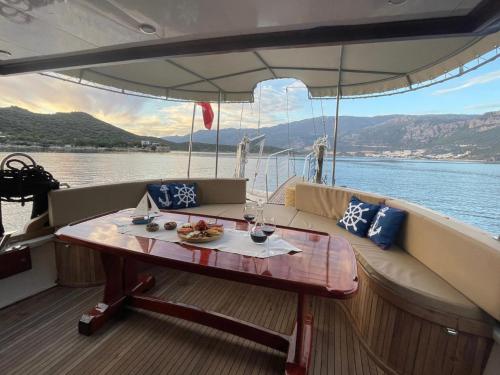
200 232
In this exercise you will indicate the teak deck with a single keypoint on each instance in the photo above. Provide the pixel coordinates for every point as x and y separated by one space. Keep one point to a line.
278 196
39 335
325 267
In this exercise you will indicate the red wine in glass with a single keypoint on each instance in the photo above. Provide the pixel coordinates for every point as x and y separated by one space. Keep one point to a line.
249 218
268 230
258 236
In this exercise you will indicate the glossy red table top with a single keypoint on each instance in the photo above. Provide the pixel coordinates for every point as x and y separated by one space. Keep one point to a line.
326 266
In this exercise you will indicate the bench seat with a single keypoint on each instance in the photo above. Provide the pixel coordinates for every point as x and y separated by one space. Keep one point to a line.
399 271
317 208
283 215
394 268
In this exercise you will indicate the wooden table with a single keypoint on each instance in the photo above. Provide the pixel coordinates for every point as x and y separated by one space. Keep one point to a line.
326 267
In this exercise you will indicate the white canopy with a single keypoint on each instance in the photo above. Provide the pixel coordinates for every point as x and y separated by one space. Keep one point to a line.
203 50
365 69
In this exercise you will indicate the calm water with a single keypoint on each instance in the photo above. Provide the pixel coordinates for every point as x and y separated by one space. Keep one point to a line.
467 191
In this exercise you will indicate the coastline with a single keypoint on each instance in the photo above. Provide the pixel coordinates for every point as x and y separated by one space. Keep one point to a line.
342 155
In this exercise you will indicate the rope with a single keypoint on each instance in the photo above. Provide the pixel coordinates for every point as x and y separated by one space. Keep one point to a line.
241 117
287 117
314 121
260 96
25 183
323 117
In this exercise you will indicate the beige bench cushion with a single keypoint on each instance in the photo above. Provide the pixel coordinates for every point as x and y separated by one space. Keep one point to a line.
210 209
68 205
283 215
464 256
398 271
327 201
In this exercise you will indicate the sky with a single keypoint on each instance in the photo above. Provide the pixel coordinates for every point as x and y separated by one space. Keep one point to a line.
474 93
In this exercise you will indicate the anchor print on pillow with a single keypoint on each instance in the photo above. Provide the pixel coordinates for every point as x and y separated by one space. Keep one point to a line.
358 217
385 226
165 200
161 195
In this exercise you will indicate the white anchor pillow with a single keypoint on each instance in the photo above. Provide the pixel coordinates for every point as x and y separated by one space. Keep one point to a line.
358 217
385 226
160 195
183 195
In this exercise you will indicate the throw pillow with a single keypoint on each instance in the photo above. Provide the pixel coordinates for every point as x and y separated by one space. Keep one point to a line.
161 195
183 195
358 217
385 226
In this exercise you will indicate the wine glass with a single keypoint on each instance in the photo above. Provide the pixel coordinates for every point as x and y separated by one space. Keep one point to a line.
269 228
249 212
257 234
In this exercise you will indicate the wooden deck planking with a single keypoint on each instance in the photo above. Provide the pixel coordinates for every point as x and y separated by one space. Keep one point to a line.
278 196
39 335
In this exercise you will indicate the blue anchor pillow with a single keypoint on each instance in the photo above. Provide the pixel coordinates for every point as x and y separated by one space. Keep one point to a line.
160 195
183 195
358 217
385 226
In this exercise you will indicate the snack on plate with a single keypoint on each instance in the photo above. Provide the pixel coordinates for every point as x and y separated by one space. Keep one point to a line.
184 229
170 225
152 227
200 231
201 225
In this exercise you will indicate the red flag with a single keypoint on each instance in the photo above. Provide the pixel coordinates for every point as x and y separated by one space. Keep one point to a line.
208 114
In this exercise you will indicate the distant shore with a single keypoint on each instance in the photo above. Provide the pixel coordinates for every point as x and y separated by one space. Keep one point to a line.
77 149
100 150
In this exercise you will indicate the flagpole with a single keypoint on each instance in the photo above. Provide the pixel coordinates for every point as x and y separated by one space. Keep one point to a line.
191 141
217 142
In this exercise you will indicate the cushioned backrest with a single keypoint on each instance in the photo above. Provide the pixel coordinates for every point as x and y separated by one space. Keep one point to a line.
68 205
464 256
328 201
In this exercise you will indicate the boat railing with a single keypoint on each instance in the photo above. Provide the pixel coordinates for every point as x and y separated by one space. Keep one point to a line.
313 169
280 166
309 166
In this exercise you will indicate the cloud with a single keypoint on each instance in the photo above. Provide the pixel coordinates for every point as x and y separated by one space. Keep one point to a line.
483 107
149 116
479 80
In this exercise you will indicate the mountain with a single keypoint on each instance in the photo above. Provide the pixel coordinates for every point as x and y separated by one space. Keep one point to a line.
475 137
302 133
21 127
439 136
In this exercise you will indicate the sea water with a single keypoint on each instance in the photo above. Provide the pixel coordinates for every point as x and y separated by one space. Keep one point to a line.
468 191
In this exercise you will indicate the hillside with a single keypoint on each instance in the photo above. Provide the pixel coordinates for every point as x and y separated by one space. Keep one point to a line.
20 127
433 136
475 137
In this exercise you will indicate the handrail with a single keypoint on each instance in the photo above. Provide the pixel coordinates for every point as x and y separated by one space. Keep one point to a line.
307 166
275 156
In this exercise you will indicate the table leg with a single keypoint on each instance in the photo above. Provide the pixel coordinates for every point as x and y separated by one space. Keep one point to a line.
122 279
299 351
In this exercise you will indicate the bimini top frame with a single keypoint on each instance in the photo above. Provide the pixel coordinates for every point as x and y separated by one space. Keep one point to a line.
221 51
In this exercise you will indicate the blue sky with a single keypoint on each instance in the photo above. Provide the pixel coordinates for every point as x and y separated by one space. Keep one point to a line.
475 92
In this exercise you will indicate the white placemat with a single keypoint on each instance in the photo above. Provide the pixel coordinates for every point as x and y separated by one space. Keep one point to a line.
233 241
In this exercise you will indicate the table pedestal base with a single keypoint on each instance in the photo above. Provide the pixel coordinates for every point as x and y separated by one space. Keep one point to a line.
124 287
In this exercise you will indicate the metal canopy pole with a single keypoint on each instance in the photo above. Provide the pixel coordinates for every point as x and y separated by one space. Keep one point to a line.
335 128
217 143
191 141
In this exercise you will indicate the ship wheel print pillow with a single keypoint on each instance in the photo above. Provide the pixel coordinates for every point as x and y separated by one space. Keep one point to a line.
358 217
183 195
